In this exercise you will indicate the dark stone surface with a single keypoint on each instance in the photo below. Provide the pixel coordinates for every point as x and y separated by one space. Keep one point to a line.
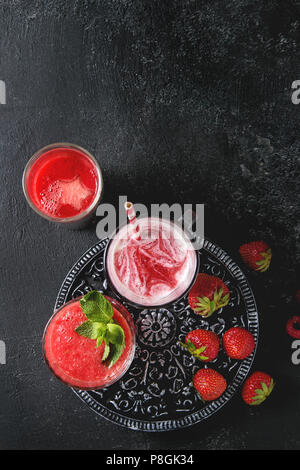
180 101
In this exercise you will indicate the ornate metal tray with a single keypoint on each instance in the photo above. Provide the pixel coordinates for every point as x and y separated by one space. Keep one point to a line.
156 393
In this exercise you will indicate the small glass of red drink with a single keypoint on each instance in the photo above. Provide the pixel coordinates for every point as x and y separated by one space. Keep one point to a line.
63 183
76 360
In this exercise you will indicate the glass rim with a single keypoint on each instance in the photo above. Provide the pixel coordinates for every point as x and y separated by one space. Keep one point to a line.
129 320
132 302
81 215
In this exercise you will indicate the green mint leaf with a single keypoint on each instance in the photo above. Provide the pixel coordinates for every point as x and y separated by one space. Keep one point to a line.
106 351
99 340
100 326
115 334
116 351
96 308
90 329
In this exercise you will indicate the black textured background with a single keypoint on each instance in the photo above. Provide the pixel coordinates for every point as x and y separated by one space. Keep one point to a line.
180 101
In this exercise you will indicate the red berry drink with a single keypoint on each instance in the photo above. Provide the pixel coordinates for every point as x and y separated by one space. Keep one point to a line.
75 359
154 269
63 182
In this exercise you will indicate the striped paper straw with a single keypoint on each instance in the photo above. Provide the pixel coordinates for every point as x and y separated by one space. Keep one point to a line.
132 219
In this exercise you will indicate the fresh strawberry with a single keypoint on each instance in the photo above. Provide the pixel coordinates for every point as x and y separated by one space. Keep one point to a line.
209 384
208 294
238 343
257 255
202 344
291 327
257 388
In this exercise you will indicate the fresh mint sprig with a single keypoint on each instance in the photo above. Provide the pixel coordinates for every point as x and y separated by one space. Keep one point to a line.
101 326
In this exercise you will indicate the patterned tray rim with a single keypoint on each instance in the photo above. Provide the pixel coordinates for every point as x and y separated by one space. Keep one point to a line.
210 408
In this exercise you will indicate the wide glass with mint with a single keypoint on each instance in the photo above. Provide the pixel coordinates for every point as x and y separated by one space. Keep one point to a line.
89 343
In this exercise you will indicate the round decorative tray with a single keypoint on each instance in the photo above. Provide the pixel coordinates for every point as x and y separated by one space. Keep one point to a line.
156 393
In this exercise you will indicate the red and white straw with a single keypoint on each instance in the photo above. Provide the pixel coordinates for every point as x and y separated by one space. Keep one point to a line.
132 219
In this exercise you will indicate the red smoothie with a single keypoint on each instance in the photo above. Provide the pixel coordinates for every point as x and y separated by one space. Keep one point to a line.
62 182
75 359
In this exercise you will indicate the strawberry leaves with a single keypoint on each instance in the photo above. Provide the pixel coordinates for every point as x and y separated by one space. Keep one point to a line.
264 263
262 393
206 307
197 352
257 255
100 326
